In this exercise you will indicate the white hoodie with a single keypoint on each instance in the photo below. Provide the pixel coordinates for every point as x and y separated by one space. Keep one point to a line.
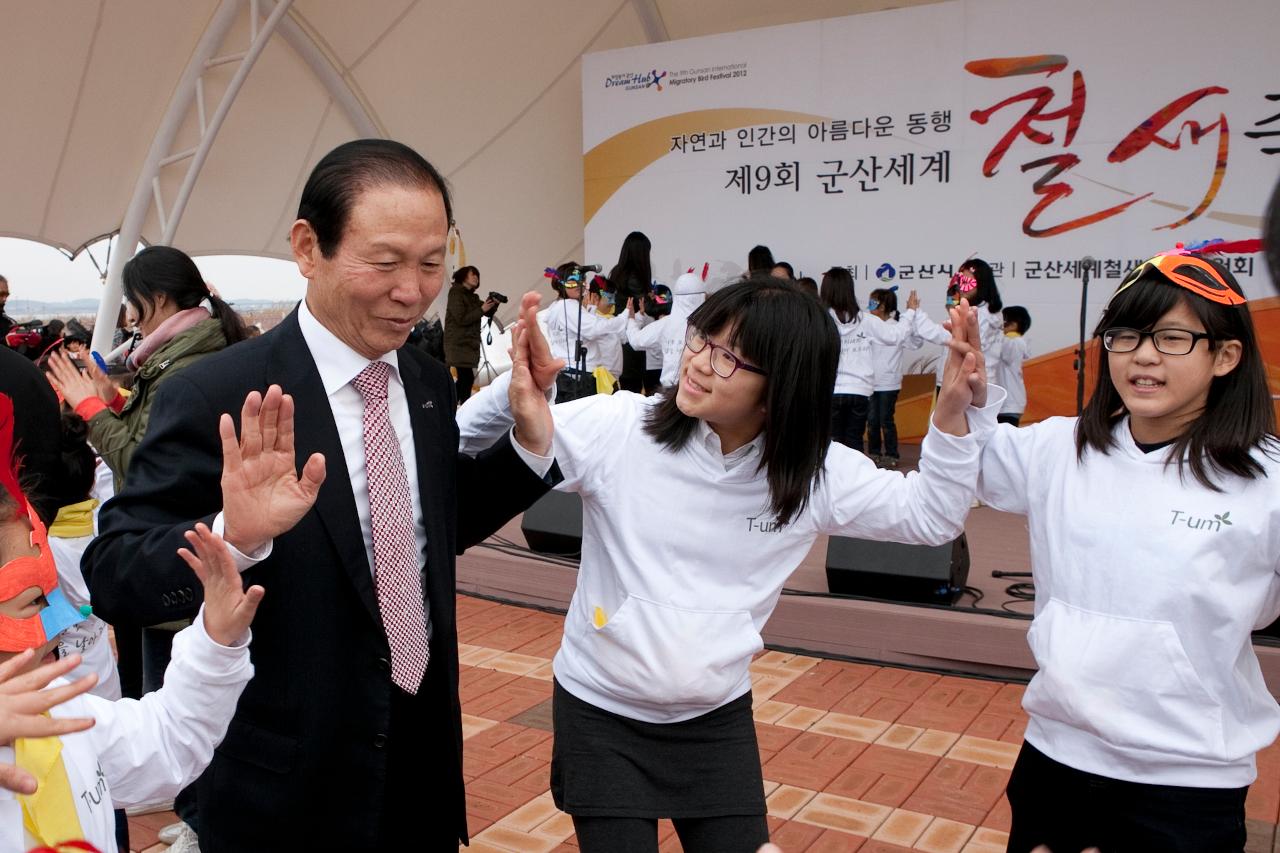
856 374
887 359
689 292
1147 588
559 322
1013 352
147 750
667 615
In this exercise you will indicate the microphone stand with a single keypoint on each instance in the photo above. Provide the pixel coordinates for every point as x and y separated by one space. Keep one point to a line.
1086 266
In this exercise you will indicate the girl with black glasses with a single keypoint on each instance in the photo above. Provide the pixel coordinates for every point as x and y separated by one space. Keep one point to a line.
1155 545
652 706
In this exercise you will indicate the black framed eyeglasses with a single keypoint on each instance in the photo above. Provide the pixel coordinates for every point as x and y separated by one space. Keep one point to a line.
1167 341
723 362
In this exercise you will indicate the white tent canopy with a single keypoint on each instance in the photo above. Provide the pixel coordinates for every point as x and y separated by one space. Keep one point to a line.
107 102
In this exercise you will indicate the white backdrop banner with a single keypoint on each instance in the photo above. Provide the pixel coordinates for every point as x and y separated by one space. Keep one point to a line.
1031 134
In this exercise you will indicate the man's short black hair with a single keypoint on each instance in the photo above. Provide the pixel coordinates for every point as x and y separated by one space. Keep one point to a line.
352 168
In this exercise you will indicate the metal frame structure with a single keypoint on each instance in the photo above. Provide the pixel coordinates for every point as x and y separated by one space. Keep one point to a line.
189 93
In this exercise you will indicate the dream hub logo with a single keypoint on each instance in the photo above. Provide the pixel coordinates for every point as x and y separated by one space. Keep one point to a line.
635 80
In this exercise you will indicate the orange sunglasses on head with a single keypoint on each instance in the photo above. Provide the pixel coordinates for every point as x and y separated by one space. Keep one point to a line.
1176 268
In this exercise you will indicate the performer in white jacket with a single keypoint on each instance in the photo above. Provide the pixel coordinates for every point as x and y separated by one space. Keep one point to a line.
1155 546
137 751
975 283
652 699
667 332
859 330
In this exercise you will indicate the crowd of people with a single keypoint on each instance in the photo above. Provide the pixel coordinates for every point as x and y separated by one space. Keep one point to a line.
270 526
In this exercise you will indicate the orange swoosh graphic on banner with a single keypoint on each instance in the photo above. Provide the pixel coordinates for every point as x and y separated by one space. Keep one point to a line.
615 161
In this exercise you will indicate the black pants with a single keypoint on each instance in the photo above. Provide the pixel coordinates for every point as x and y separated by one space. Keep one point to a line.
466 378
632 378
849 419
880 422
728 834
1068 809
1009 418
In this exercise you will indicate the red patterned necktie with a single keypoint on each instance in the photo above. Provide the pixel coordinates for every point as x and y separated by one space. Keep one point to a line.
395 557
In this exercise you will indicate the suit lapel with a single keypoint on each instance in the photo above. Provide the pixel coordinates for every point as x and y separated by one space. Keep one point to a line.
315 431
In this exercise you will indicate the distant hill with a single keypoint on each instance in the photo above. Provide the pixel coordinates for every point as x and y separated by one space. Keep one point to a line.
31 309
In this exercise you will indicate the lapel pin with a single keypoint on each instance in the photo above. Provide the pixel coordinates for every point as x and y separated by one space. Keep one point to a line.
429 405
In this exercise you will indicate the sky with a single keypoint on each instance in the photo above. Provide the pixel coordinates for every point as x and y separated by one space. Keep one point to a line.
40 272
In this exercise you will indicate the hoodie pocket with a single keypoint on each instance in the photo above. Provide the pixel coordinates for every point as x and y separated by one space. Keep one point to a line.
1126 681
657 654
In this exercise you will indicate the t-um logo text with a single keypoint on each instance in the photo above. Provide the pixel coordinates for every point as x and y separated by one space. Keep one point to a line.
759 524
1213 525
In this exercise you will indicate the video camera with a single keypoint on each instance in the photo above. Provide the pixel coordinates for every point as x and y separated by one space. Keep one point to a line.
498 298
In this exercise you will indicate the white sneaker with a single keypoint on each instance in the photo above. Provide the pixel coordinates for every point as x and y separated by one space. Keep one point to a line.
172 832
186 842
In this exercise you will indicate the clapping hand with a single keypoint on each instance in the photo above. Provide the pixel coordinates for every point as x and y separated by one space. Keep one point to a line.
228 606
74 386
262 494
964 378
24 703
533 372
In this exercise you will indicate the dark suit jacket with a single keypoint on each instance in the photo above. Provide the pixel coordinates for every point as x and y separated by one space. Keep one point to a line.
304 764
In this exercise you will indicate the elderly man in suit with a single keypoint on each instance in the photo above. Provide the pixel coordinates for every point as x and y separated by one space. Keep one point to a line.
349 736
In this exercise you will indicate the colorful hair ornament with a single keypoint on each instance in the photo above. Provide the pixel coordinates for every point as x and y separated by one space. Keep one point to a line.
1222 247
706 266
1190 273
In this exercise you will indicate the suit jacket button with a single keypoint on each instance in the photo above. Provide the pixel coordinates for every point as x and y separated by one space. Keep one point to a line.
384 664
379 741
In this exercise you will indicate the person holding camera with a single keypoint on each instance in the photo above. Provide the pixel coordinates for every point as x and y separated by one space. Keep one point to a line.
462 327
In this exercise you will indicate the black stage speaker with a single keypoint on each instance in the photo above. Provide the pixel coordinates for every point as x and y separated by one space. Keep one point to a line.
553 525
920 574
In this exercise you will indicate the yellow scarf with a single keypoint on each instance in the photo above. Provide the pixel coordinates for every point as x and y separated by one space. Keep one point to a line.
50 813
74 520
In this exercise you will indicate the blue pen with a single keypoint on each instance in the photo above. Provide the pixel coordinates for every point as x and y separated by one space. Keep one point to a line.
97 359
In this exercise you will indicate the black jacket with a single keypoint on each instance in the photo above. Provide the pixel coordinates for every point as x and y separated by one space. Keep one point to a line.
304 763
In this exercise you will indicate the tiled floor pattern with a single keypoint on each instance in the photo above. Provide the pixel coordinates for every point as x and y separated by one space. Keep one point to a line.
856 757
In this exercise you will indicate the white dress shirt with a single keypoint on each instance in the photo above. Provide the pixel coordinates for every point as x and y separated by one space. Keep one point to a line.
338 364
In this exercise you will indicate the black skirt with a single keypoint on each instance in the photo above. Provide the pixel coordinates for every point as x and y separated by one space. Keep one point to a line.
606 765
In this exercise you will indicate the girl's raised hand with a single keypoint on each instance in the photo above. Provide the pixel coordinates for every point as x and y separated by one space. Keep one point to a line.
228 607
531 367
964 378
73 385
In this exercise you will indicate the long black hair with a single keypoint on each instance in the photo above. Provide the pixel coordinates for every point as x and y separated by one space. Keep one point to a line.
633 272
986 292
165 270
1237 417
787 333
838 295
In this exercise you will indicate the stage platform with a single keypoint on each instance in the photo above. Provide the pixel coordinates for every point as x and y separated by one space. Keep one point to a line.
982 638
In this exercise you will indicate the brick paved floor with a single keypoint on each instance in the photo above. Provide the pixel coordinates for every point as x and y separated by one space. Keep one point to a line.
856 757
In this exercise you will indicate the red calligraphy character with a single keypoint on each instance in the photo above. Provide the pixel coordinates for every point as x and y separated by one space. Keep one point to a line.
1148 132
1039 97
1052 192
